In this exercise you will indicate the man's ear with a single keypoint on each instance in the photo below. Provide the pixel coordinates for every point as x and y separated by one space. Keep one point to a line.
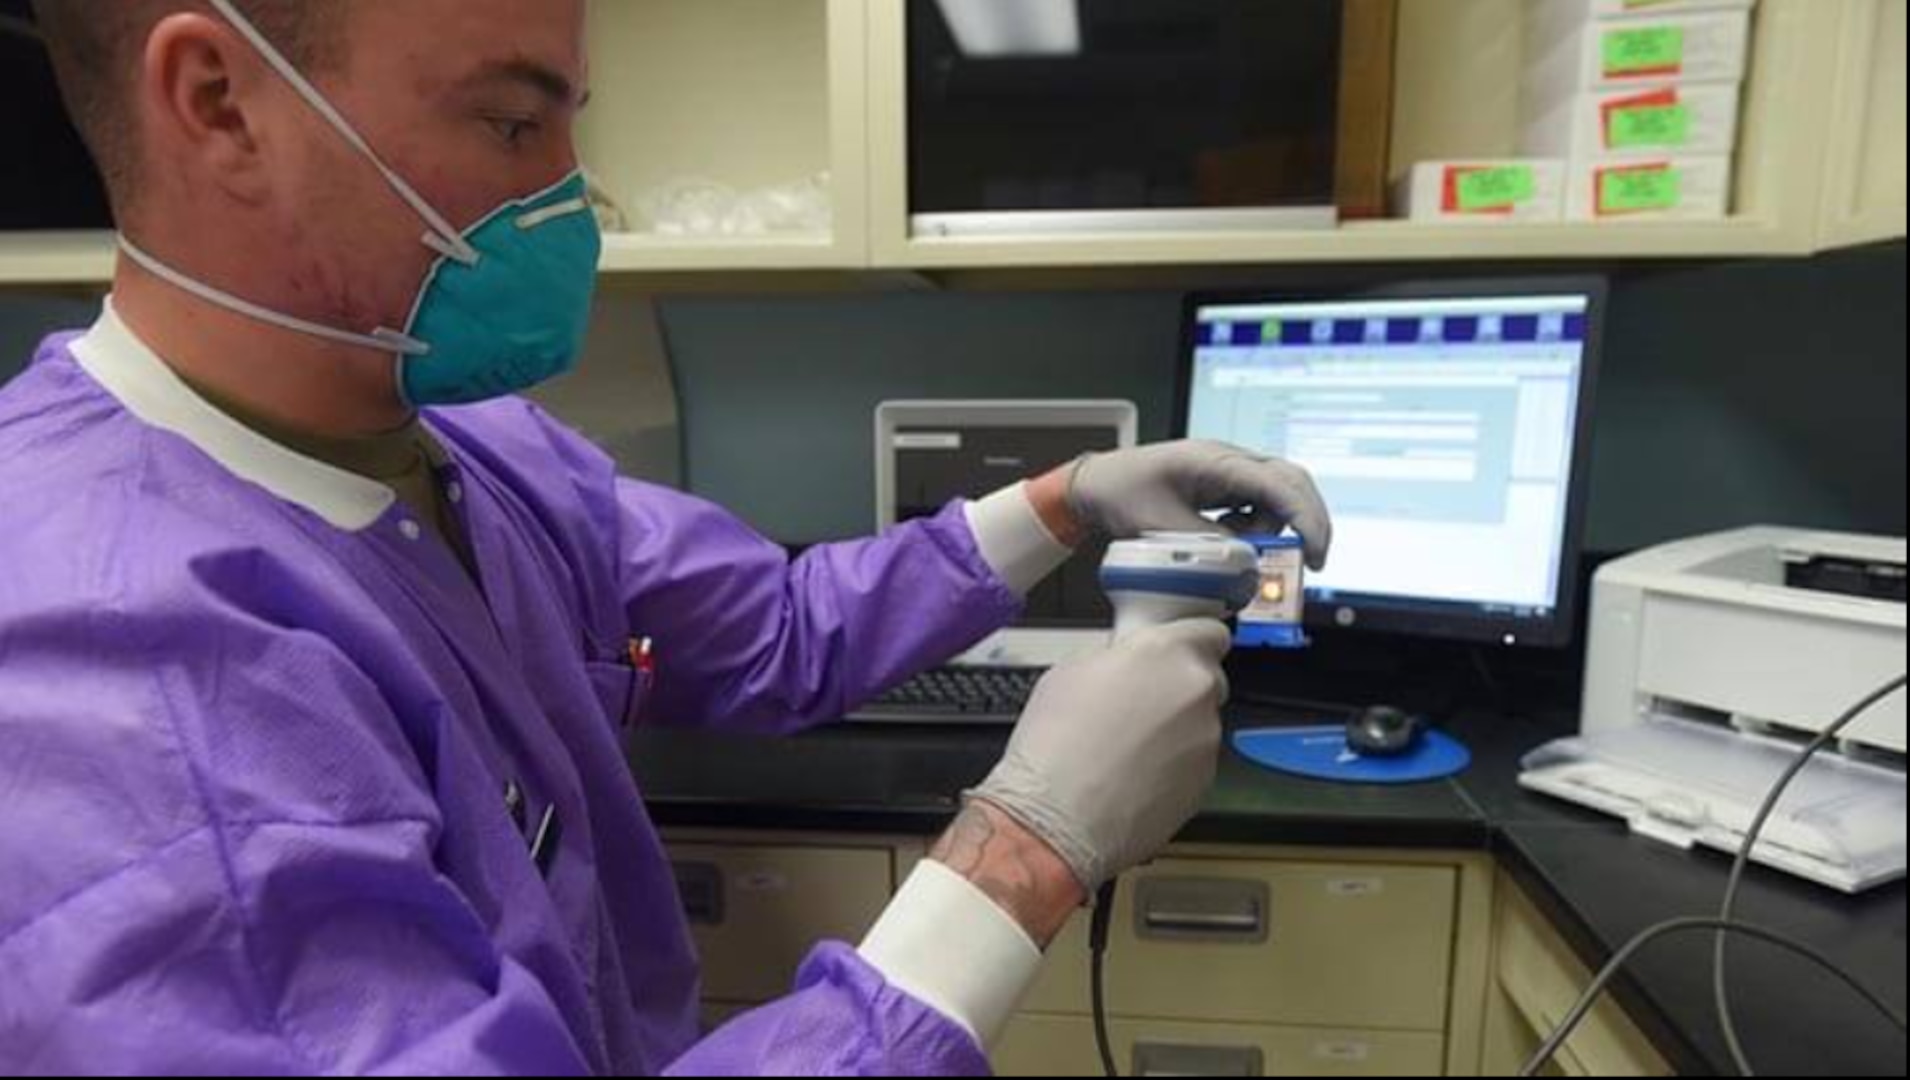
199 93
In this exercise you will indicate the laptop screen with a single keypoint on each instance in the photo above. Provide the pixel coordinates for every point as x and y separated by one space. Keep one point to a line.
934 465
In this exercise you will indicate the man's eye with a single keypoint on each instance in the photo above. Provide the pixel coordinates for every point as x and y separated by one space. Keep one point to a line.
513 130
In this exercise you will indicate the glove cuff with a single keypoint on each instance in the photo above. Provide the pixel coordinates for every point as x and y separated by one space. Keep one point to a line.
1079 504
1046 823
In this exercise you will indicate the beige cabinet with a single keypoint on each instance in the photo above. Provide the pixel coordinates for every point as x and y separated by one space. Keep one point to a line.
1299 943
1536 981
1864 186
1064 1046
755 94
687 96
1458 71
748 95
1222 961
756 912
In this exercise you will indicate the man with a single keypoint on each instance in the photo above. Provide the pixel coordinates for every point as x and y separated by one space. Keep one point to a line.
311 701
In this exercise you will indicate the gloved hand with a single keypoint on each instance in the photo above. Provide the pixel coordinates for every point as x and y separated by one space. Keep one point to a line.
1117 749
1164 488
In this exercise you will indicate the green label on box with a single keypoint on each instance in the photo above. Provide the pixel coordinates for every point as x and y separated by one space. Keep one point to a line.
1648 50
1651 125
1272 332
1497 188
1632 191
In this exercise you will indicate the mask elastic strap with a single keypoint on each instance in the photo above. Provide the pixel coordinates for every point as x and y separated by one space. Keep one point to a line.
382 340
444 239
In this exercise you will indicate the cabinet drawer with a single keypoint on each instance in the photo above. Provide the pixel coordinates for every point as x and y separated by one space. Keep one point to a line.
1270 943
1541 979
1064 1046
756 912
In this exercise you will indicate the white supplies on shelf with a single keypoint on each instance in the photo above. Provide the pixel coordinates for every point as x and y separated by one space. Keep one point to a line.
1484 192
1665 118
1642 99
1579 11
1564 56
1675 188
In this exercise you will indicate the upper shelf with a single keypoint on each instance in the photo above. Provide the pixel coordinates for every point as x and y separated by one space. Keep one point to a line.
56 258
1370 242
762 93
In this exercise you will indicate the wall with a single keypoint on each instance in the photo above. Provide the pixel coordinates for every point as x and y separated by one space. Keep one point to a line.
1734 394
1756 392
26 318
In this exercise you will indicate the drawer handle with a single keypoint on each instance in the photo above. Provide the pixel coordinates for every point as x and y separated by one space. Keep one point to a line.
1212 910
701 888
1187 922
1169 1059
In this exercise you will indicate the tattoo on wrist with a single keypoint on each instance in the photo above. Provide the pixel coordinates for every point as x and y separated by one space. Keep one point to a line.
1012 868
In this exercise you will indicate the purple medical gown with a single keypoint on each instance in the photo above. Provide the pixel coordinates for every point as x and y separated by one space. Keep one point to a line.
252 768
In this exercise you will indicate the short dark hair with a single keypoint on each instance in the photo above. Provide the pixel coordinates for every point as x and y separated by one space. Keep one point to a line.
96 46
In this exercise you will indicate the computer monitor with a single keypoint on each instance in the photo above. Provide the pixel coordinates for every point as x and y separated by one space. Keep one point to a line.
1448 426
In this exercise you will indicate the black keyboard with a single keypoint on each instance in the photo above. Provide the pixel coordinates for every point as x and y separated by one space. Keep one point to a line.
957 696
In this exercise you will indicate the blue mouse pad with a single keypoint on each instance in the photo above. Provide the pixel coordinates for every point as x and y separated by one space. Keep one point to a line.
1321 753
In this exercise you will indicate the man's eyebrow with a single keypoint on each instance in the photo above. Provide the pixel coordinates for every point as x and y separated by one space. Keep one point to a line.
547 81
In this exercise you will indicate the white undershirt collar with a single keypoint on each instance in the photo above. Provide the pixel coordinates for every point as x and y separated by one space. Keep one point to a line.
131 372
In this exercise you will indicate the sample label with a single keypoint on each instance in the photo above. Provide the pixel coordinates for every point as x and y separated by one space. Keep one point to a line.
1346 1053
1656 125
1497 189
1651 120
762 881
1646 51
1346 888
1639 190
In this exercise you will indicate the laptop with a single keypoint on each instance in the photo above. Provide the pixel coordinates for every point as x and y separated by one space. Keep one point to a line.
929 453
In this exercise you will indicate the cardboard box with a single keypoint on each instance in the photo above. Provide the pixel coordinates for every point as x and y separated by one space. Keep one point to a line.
1708 47
1563 12
1484 192
1641 121
1649 189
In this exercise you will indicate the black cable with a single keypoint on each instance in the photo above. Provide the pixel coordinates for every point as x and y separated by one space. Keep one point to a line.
1724 925
1099 926
1719 988
1681 926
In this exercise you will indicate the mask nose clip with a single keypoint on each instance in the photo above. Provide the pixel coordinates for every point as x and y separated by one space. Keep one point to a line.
546 215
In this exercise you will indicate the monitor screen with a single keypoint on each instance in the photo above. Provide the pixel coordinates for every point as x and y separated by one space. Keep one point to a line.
1445 432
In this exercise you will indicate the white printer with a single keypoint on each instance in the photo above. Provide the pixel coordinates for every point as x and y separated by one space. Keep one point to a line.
1711 661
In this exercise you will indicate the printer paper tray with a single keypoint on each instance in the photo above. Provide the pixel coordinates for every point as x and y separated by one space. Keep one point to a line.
1842 823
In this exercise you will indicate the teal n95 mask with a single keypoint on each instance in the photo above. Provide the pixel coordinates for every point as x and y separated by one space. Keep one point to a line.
504 308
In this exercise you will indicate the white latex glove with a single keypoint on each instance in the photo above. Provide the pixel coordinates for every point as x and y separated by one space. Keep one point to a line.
1164 488
1118 749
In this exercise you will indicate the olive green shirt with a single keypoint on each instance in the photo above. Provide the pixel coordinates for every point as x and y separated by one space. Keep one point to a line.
410 461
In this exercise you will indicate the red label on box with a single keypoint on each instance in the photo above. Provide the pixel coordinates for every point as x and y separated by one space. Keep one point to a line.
1656 99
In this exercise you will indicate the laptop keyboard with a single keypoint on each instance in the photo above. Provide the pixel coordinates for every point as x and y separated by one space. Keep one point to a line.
958 695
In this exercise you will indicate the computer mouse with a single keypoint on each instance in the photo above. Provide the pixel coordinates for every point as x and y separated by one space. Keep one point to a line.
1385 732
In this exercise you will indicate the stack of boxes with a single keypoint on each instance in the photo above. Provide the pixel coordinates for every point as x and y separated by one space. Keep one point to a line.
1629 112
1640 98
